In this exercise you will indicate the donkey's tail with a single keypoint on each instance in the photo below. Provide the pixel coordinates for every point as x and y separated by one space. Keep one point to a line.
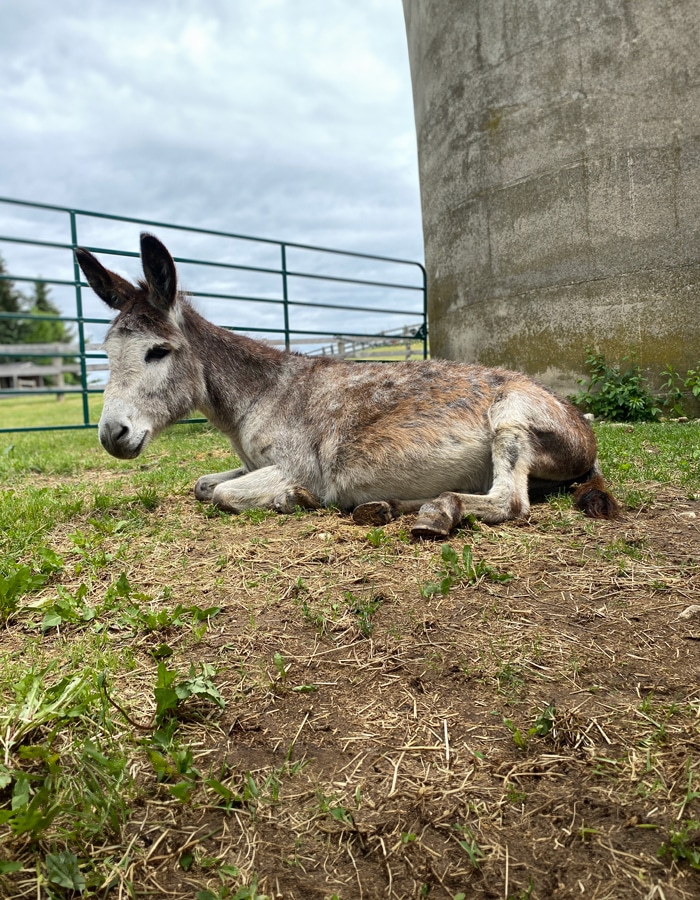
593 498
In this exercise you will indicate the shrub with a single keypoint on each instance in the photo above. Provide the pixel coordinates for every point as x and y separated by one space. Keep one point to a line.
617 393
676 387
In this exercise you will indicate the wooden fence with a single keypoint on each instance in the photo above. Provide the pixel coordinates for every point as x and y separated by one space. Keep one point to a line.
32 375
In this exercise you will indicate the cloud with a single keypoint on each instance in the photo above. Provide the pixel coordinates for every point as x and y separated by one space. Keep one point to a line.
136 108
290 119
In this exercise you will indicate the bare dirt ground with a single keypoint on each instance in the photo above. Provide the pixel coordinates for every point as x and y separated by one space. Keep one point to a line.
535 738
431 765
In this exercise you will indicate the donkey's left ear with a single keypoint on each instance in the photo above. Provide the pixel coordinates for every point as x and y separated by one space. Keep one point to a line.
110 287
159 269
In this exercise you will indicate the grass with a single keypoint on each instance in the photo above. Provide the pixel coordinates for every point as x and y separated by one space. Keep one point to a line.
213 706
45 410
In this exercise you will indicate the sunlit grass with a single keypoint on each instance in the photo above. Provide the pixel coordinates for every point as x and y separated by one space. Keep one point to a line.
45 410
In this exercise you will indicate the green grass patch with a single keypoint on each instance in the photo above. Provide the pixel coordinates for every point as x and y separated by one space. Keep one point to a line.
44 410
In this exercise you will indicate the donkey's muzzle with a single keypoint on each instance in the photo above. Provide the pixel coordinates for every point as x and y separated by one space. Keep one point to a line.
120 439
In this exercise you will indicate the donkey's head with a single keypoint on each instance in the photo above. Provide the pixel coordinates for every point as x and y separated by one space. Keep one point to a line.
154 373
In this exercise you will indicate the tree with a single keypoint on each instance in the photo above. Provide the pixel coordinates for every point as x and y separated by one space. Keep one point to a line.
42 324
11 301
42 330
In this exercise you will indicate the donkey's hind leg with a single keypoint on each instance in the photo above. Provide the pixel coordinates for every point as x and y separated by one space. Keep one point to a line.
507 498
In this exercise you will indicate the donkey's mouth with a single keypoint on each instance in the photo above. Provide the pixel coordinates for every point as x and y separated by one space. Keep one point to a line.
133 452
124 445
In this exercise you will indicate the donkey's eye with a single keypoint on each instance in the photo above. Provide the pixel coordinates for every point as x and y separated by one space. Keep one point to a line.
156 353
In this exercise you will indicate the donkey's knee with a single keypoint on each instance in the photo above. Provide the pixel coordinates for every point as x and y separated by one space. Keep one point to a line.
225 497
260 492
290 500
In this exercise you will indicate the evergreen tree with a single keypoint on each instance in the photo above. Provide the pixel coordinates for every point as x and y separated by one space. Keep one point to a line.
45 331
35 328
11 301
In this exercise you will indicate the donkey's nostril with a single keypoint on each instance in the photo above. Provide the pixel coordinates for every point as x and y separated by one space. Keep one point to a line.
123 431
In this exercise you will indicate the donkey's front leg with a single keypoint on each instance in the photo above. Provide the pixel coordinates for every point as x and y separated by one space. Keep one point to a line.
268 487
204 488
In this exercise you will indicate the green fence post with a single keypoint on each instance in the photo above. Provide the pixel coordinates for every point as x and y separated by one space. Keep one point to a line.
424 276
79 314
285 297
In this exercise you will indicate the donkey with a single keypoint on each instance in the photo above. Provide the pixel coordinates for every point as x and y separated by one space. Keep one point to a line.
437 438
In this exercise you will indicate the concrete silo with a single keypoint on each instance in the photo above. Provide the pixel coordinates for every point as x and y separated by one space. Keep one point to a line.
559 153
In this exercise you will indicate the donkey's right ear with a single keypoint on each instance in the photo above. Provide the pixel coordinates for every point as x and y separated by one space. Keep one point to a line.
108 286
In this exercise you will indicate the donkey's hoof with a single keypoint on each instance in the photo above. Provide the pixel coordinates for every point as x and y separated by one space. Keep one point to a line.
432 525
204 488
376 512
297 497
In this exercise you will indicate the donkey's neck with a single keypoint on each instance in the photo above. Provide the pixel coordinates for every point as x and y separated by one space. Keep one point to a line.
236 371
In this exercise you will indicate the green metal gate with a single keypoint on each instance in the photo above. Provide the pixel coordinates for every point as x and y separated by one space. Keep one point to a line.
294 293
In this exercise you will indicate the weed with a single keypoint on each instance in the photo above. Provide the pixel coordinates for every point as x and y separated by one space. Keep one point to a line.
67 608
17 581
515 795
62 869
683 844
255 516
676 387
586 833
244 892
172 762
38 705
377 537
461 571
524 893
519 739
164 619
365 610
638 499
542 726
171 689
329 806
690 793
614 393
470 846
509 678
544 723
622 547
318 620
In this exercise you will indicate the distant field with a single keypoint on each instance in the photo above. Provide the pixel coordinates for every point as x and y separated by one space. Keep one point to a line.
389 352
44 410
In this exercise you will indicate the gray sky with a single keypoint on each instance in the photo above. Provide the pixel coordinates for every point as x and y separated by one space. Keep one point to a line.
289 119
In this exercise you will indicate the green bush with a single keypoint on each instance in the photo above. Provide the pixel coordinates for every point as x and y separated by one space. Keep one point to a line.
616 393
676 387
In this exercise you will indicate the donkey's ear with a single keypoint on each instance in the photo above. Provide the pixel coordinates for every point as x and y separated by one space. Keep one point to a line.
159 269
108 286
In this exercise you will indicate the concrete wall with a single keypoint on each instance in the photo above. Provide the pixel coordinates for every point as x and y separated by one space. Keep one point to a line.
559 153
